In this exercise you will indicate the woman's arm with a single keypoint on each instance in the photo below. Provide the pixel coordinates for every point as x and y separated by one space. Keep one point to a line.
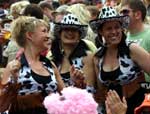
140 56
88 69
101 90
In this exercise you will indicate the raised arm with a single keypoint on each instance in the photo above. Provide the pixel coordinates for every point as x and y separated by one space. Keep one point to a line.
114 105
89 71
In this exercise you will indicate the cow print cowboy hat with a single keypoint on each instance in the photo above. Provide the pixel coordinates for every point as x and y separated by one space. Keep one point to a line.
106 14
70 21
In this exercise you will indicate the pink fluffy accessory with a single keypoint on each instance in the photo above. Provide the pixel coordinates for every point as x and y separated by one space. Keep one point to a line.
72 101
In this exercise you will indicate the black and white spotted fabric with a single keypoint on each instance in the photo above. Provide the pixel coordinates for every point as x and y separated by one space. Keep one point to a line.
106 14
128 70
70 21
77 62
29 85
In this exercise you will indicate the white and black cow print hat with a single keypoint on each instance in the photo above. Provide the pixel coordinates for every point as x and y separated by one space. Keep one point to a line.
70 21
108 13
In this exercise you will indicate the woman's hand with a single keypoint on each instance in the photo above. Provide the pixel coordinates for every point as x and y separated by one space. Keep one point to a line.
113 103
77 77
10 70
13 67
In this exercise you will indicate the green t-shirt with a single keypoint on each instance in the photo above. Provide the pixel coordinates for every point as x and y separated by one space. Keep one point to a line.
143 39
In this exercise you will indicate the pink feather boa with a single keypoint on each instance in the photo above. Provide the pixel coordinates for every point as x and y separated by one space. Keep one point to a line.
72 101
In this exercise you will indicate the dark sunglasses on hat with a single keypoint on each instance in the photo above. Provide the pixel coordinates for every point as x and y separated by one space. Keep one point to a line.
125 12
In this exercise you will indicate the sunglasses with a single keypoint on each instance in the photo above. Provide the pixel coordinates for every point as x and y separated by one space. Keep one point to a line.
125 12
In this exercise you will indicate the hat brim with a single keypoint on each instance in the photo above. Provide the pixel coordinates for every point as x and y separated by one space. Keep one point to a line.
96 24
60 26
69 25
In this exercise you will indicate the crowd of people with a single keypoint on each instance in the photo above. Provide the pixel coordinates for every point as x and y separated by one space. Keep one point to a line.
102 47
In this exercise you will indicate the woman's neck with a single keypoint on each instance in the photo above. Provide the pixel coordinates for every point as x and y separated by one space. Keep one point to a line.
112 50
68 49
31 54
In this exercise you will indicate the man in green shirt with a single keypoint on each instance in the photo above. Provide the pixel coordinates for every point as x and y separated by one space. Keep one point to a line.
138 31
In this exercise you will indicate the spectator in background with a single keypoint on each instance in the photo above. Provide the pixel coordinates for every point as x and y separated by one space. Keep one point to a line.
33 10
11 49
5 4
147 5
94 11
138 31
17 7
59 13
3 13
4 33
47 9
112 3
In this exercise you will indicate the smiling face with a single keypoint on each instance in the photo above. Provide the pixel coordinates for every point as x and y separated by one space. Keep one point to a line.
70 36
112 32
40 38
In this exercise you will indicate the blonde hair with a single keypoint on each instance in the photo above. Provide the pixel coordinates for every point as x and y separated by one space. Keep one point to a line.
80 10
17 7
25 24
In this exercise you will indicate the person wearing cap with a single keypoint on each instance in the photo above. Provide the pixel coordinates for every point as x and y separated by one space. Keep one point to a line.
69 50
3 13
119 64
144 108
